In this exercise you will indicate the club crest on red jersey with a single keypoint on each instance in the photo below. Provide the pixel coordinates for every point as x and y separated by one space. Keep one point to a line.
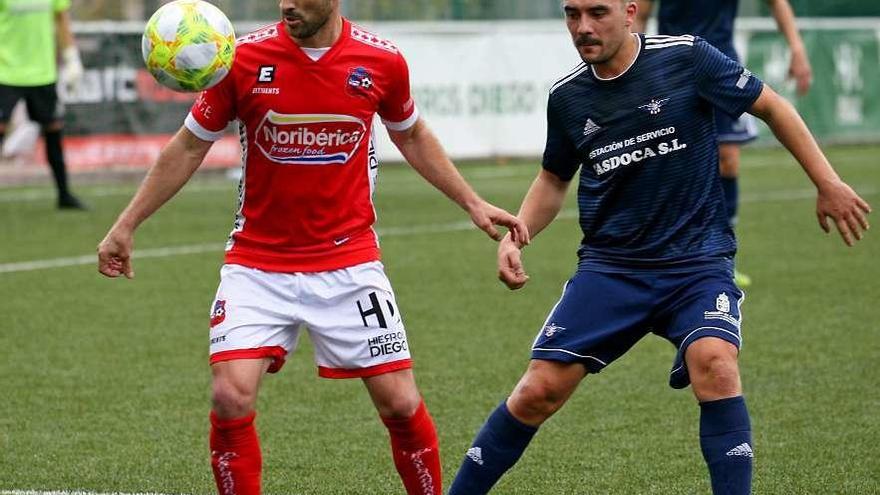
218 314
360 81
317 139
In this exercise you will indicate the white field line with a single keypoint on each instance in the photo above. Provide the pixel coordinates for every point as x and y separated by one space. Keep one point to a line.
164 252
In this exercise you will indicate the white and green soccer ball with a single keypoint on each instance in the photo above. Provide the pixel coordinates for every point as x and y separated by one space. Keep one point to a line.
188 45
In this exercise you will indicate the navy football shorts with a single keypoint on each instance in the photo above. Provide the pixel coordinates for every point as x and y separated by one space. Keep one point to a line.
731 130
602 314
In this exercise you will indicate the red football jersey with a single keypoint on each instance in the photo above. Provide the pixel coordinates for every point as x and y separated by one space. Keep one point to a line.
305 199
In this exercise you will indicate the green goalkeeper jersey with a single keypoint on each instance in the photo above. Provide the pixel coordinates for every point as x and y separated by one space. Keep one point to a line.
28 47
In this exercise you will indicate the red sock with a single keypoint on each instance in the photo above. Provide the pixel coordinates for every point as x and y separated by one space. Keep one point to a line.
235 455
416 452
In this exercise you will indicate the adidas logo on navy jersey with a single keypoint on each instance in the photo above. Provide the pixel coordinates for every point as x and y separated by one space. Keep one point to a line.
590 127
476 454
654 106
743 449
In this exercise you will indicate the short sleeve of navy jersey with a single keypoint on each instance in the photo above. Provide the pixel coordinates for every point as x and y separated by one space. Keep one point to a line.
560 155
722 81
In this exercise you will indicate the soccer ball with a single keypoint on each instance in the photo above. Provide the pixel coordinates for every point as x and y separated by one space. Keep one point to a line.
188 45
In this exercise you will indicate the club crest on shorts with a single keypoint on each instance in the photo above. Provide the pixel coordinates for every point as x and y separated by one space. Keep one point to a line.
360 81
552 329
218 313
722 311
722 303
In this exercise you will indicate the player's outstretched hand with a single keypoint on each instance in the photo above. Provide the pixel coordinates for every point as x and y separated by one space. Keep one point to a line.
114 255
510 268
486 216
801 72
849 211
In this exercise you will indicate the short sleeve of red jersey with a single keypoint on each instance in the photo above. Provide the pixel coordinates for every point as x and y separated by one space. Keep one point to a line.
212 111
397 109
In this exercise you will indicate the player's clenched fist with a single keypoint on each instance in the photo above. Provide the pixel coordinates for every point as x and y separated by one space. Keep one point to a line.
510 268
114 255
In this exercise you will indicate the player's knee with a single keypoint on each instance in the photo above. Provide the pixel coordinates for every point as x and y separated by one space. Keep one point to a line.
232 401
400 406
716 374
536 399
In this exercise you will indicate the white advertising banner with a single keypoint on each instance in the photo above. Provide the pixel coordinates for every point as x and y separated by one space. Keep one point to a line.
482 87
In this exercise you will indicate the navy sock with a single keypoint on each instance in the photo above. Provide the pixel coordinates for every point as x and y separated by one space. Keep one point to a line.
726 441
497 447
730 186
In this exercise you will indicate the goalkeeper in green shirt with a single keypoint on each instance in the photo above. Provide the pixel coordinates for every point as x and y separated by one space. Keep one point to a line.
33 32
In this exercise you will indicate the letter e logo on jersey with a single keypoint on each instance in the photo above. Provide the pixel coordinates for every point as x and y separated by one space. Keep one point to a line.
218 314
320 139
266 74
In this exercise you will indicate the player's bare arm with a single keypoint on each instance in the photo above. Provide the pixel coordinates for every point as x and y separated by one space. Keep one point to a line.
835 198
542 203
799 68
177 162
423 151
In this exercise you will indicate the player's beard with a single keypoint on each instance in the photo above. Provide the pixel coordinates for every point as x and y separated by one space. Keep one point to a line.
308 25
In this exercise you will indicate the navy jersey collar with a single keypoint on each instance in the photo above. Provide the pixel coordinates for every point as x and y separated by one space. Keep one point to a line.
631 65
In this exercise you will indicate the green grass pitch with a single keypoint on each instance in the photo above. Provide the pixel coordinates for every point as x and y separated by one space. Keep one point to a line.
104 383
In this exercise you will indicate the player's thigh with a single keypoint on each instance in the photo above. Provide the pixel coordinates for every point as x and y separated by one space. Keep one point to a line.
728 159
44 107
253 316
354 322
733 133
9 96
235 383
394 394
706 303
597 319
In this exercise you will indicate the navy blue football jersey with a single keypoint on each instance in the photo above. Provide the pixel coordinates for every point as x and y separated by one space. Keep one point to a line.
712 20
645 144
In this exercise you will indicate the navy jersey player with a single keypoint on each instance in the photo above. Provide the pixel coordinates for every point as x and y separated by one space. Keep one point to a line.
636 119
713 21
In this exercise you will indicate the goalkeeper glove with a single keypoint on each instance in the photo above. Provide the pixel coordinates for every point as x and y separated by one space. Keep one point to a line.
71 72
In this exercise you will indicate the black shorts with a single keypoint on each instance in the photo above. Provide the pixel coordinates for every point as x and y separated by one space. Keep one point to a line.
42 103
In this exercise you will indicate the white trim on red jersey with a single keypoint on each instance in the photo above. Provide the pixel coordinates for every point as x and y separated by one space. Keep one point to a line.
204 134
406 124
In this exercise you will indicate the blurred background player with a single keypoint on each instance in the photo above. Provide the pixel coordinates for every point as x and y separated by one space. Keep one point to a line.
33 31
303 250
657 251
713 21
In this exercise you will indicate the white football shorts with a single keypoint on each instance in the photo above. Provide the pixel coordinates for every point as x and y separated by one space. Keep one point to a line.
351 316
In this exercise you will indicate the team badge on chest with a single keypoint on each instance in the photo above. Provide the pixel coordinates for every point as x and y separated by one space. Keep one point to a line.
360 81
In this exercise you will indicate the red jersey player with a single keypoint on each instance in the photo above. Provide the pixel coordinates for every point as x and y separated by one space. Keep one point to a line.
303 251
